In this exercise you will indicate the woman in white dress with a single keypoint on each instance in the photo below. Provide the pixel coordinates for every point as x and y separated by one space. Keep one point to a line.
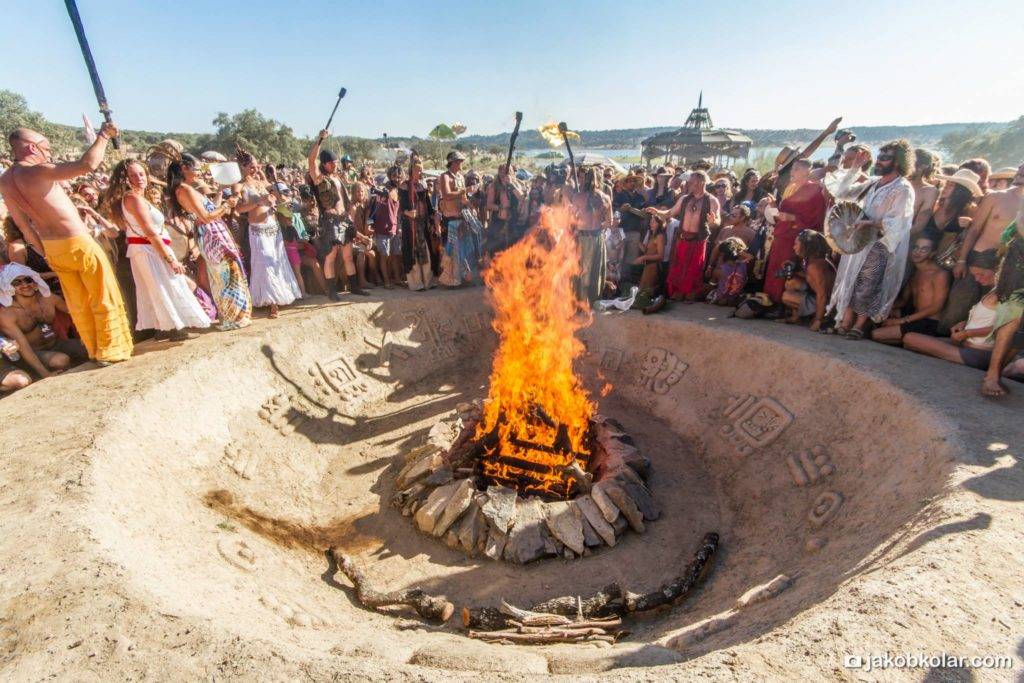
271 281
163 294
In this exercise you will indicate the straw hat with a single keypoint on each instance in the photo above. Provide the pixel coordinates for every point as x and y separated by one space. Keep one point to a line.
1008 173
786 155
965 177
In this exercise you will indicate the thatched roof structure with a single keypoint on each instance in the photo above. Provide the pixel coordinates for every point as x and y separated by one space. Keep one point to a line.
697 139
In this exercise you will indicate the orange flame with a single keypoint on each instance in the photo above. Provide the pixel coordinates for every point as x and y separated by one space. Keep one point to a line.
537 315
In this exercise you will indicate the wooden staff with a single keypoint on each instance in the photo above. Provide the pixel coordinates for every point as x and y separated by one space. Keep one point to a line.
90 64
341 94
564 130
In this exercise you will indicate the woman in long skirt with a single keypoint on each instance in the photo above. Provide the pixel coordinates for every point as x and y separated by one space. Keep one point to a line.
164 298
272 282
220 251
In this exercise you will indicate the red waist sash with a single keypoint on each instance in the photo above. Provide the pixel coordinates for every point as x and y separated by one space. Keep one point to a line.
143 240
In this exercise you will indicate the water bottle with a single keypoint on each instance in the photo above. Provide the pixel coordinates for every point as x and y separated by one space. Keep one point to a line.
13 356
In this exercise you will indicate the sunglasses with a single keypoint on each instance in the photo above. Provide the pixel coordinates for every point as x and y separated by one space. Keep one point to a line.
22 281
885 157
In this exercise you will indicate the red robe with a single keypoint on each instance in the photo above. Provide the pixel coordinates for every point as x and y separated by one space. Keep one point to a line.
808 205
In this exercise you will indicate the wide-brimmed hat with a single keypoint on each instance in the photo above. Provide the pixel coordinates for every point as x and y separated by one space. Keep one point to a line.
786 155
966 178
1007 173
455 155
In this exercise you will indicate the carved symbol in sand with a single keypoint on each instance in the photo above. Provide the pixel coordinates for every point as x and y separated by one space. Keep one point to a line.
475 322
825 508
335 375
285 413
612 359
237 553
810 465
242 463
754 422
434 333
660 370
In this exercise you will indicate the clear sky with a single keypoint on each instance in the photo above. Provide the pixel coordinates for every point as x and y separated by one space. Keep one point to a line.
171 66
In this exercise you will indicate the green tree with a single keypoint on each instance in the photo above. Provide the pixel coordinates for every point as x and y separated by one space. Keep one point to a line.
14 113
1003 147
267 139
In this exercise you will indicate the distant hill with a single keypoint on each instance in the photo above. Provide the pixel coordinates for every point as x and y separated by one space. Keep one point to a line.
628 138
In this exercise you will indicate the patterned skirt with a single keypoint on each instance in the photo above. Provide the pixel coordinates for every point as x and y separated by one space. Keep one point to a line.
867 288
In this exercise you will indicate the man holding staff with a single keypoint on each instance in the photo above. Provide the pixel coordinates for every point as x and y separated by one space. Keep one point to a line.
51 223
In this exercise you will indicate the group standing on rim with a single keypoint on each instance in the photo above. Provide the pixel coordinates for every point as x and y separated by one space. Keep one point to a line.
941 270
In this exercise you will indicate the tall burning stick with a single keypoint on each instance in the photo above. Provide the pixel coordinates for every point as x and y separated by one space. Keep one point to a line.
341 94
564 130
90 64
512 142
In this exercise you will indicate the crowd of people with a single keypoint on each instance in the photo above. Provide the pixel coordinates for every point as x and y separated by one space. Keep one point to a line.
892 246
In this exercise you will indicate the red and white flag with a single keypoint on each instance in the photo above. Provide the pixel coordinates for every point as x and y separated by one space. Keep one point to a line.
90 132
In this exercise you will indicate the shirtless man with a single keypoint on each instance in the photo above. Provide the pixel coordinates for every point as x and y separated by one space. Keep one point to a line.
463 254
928 289
594 211
699 215
28 322
994 213
39 205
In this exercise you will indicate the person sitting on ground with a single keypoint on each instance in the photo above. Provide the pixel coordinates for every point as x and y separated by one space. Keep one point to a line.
1009 290
970 341
808 291
20 251
729 276
995 212
926 293
27 319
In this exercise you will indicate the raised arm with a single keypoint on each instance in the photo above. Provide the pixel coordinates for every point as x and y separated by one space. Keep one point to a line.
89 162
313 158
816 143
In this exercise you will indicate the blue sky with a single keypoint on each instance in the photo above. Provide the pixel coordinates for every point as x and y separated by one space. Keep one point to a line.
409 65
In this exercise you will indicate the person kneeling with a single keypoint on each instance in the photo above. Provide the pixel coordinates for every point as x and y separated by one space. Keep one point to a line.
807 293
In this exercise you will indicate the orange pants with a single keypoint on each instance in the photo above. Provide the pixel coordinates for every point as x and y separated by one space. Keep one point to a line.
93 298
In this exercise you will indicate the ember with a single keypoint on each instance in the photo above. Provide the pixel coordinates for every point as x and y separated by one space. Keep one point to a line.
536 433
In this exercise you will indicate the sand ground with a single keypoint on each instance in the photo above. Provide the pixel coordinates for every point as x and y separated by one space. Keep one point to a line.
166 518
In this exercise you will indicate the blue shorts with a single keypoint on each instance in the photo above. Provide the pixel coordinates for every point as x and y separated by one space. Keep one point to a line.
388 245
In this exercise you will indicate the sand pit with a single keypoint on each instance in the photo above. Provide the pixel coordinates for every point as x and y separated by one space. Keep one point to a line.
167 518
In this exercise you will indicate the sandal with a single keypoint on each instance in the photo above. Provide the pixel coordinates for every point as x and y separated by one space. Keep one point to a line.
855 334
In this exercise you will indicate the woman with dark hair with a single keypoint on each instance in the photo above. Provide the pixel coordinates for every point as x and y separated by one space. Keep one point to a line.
808 291
926 165
952 217
220 251
163 295
750 188
272 282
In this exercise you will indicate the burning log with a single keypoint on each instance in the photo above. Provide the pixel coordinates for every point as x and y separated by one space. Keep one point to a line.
427 606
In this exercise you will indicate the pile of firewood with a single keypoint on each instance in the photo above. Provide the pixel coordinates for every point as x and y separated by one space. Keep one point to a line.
519 626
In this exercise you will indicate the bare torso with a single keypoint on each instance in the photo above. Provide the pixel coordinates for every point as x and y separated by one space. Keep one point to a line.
928 286
253 190
39 204
453 195
28 317
593 209
925 197
1000 212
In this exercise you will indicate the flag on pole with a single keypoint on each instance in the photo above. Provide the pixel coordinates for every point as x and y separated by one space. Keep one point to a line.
90 132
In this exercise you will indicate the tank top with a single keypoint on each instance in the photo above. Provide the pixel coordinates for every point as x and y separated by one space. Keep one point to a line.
981 316
137 239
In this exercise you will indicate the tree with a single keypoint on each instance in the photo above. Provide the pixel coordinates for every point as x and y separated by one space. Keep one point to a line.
265 138
14 113
1003 147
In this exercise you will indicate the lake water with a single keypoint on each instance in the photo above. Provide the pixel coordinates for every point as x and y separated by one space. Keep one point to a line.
822 153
